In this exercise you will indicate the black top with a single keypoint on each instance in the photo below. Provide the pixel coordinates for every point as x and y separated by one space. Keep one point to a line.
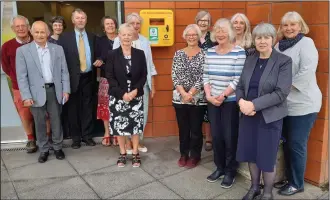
52 40
208 43
103 46
254 82
117 74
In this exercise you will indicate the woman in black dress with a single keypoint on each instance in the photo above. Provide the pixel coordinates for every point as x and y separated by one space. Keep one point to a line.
126 71
261 94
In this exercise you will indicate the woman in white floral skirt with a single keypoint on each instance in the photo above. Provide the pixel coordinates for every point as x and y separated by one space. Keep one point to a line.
126 72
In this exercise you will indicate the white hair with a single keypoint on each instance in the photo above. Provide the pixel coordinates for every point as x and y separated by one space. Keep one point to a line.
247 38
126 26
46 26
202 14
293 17
223 23
19 17
130 16
190 27
264 29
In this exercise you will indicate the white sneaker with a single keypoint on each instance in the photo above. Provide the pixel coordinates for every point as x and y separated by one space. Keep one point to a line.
143 149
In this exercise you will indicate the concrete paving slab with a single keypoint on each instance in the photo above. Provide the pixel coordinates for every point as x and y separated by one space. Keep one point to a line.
112 181
49 169
14 159
209 165
2 165
7 191
236 192
156 145
325 196
55 188
5 176
162 164
192 184
154 190
91 160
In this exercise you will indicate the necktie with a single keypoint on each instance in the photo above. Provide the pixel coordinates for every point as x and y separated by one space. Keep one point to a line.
82 54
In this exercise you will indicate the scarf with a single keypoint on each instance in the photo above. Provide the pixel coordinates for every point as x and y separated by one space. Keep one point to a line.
286 43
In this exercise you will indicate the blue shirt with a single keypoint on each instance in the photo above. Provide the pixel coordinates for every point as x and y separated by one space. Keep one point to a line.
87 49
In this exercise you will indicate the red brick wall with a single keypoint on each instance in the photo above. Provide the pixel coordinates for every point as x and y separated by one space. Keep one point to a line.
161 121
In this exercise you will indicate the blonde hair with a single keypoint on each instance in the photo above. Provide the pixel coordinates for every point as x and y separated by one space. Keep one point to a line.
247 37
192 26
125 26
130 16
221 23
292 16
202 14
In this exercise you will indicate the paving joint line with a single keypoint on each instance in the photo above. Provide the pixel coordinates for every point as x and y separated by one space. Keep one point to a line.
10 180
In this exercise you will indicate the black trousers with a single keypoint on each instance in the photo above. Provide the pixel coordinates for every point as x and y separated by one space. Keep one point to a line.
224 130
80 109
190 120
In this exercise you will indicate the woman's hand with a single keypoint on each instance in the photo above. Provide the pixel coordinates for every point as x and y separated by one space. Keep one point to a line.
246 107
127 97
213 100
132 94
186 97
98 63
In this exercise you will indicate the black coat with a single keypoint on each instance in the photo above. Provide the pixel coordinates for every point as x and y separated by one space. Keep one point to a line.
102 48
68 42
115 72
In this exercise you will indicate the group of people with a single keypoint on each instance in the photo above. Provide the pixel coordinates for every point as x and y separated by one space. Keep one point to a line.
255 88
250 89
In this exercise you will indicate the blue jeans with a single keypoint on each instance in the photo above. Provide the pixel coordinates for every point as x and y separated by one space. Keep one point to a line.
296 130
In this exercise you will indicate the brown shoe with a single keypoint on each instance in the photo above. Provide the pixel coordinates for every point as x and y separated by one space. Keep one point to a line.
182 161
31 146
192 162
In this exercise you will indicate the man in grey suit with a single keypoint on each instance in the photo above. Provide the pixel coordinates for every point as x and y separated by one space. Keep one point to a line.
43 81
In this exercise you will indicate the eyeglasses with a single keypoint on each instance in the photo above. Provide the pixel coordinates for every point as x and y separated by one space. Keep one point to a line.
191 35
20 26
203 21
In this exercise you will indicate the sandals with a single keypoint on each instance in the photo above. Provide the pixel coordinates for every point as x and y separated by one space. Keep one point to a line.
136 160
107 141
114 140
208 146
122 160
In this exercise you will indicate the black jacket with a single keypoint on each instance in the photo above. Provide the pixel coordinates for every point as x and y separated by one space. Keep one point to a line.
102 48
115 72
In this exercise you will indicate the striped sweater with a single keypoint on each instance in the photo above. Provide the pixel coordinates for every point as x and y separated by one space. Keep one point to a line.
221 71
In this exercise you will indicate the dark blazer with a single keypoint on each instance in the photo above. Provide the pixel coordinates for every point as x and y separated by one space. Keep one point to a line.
68 42
102 48
115 72
274 85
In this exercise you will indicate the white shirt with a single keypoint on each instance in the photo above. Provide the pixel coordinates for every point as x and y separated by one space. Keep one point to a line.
45 62
22 42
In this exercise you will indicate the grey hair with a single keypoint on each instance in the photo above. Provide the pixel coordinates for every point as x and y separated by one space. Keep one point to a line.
293 17
202 14
125 26
221 23
130 16
264 29
19 17
247 38
78 10
192 26
47 29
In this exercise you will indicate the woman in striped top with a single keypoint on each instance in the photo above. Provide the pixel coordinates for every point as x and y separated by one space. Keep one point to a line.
222 70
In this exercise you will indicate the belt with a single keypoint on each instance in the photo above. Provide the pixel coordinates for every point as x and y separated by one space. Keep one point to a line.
49 85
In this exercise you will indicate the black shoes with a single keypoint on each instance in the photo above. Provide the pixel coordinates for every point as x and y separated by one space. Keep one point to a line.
59 154
264 197
216 175
281 184
89 142
289 190
252 193
76 145
227 182
31 146
43 157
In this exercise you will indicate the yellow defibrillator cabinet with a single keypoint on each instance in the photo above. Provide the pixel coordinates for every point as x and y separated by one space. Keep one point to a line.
158 27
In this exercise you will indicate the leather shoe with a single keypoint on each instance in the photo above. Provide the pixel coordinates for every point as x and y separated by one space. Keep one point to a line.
89 142
59 154
281 184
289 190
216 175
252 194
43 157
76 145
